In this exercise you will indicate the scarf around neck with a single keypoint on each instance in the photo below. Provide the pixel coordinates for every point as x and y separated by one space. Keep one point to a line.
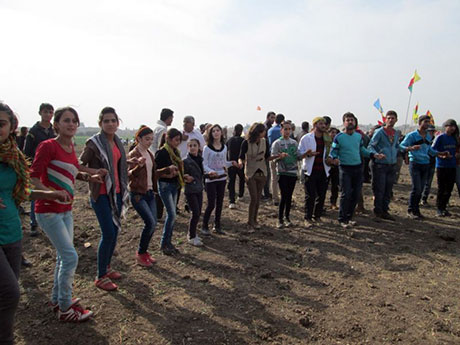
102 144
14 158
174 154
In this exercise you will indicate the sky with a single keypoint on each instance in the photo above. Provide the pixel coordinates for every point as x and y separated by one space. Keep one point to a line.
218 60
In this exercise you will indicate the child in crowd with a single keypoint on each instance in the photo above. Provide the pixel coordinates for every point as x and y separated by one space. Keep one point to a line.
193 167
110 199
214 164
55 168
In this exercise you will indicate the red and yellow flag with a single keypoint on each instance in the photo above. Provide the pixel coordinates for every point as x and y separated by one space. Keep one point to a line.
415 114
415 78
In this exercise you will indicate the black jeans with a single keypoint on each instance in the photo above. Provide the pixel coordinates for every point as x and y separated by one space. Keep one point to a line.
267 183
215 192
351 182
334 179
233 172
446 180
315 193
195 202
10 264
383 177
287 185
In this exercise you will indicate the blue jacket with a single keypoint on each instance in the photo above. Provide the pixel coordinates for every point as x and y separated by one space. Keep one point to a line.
274 133
380 143
420 156
444 143
348 148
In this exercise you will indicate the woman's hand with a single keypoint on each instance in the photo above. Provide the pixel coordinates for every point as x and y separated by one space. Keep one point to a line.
60 195
141 161
96 178
188 178
102 172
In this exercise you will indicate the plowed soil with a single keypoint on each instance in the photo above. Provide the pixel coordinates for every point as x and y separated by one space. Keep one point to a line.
382 283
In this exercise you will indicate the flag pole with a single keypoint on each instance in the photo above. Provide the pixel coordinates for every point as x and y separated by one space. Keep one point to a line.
407 112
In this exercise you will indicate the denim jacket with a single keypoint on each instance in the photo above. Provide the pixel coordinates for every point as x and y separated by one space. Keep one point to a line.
380 143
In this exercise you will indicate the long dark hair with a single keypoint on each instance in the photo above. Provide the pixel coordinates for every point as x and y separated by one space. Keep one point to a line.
171 133
210 139
254 132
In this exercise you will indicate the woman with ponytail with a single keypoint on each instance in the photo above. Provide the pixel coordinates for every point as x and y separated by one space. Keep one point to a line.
143 188
109 199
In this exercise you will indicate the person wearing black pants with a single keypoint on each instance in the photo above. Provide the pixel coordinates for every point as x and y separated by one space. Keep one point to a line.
10 264
233 172
233 151
193 167
446 165
334 179
215 192
315 194
287 186
285 151
315 148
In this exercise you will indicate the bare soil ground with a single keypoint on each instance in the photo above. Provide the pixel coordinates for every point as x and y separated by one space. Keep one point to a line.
384 283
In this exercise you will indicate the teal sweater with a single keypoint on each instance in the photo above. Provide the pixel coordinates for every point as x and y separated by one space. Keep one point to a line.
348 148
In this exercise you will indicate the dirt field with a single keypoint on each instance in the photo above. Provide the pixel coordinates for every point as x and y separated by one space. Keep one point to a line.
384 283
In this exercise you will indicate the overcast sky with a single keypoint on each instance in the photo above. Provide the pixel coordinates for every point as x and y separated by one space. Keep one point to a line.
219 60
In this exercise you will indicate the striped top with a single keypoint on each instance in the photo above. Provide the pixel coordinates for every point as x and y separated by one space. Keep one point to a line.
57 170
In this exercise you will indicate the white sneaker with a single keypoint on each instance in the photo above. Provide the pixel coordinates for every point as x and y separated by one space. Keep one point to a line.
280 225
345 225
352 222
232 206
195 242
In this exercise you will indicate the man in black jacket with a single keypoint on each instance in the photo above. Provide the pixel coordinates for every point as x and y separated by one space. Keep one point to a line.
41 131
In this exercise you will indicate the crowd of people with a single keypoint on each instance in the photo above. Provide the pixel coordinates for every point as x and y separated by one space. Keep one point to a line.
40 165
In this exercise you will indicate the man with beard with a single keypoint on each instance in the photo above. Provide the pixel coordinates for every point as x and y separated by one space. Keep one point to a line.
384 140
346 152
314 148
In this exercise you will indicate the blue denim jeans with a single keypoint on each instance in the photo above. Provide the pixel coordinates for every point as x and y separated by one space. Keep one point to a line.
168 194
109 232
419 174
59 229
146 206
351 182
429 181
33 219
383 178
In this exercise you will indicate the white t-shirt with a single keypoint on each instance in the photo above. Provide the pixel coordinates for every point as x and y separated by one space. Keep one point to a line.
195 134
